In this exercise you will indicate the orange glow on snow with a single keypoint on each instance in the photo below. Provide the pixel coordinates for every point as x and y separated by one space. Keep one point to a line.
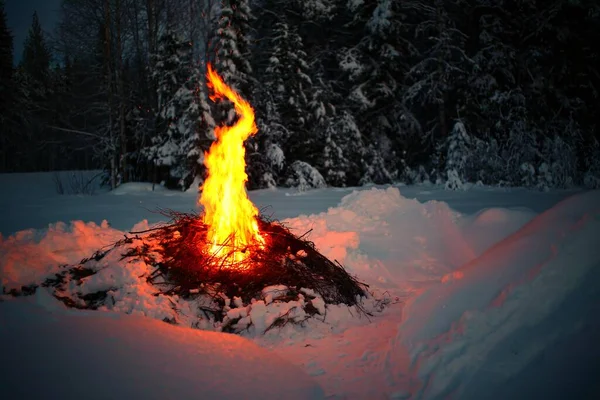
228 212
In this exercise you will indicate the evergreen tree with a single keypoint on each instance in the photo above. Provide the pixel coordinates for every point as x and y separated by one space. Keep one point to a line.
233 52
6 52
290 106
288 81
287 76
7 94
343 151
35 101
440 68
36 55
591 172
458 150
374 64
183 119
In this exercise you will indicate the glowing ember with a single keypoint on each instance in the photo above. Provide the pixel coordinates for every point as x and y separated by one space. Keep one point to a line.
229 214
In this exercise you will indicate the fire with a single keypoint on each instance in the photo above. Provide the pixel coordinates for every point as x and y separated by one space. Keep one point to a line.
230 216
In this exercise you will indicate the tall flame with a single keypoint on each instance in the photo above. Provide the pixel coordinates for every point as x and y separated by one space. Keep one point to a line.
228 213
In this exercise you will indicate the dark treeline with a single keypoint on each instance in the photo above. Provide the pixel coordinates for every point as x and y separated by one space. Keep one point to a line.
346 92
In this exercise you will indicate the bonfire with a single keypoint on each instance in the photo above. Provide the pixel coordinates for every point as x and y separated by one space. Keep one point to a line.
229 251
230 244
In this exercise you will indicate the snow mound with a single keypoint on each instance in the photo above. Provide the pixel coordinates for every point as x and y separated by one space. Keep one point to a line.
497 315
29 256
107 355
406 241
489 226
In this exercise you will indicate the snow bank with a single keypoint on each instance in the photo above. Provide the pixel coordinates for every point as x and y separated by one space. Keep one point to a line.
30 256
386 238
489 226
81 355
495 316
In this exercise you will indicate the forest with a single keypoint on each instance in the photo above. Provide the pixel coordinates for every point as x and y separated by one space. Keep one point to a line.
346 92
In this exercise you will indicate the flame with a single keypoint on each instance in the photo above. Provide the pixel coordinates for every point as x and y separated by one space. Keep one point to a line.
228 213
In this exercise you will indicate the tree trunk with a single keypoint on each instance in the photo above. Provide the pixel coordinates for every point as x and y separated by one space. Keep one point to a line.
109 88
121 94
442 104
152 30
139 55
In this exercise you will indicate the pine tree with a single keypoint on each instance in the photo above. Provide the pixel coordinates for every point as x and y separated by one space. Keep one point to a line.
6 90
199 132
343 151
183 121
233 52
35 98
591 167
36 55
290 107
374 65
458 149
287 76
6 52
439 69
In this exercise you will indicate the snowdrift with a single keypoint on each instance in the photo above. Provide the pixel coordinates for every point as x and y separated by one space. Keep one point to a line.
472 335
80 355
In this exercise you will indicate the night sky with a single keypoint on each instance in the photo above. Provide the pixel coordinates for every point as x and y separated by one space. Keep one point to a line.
19 14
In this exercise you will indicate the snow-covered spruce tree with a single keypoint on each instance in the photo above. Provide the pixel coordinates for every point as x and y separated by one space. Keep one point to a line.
266 159
293 103
304 176
6 60
345 159
315 10
591 175
494 106
486 160
343 151
519 149
440 68
232 60
374 66
7 94
36 95
183 118
36 54
558 167
288 82
558 83
457 157
294 107
199 129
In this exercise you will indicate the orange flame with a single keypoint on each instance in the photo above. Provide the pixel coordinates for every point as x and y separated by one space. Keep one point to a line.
228 213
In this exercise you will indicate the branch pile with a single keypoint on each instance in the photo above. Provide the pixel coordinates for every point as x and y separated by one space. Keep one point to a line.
285 259
286 276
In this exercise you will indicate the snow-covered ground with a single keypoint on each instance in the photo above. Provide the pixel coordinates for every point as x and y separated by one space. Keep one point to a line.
492 293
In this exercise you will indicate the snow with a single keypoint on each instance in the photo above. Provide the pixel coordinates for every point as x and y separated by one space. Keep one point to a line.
511 305
480 293
89 355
